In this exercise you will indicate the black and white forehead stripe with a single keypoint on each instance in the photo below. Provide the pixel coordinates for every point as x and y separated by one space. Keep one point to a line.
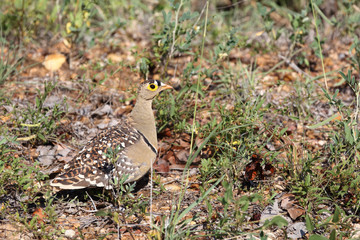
159 83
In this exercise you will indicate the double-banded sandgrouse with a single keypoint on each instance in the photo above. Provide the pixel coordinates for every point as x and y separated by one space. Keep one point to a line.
135 140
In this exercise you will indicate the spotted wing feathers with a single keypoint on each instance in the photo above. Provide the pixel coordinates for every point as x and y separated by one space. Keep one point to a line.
101 161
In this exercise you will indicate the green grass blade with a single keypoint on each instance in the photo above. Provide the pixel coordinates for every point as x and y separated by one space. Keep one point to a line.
326 121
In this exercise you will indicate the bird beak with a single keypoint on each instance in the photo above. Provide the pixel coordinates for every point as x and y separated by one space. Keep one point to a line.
165 86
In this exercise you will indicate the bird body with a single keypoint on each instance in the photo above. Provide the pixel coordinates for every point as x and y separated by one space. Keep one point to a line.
127 149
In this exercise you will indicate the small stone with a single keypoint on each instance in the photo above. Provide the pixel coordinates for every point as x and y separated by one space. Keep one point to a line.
101 111
70 233
296 230
193 172
356 232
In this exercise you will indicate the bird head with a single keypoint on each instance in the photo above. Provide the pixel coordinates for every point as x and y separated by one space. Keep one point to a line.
149 89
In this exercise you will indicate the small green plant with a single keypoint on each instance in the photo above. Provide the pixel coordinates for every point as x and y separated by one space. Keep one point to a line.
265 15
19 180
222 50
15 173
10 60
42 217
355 58
349 20
345 146
23 18
336 225
239 137
39 122
176 225
339 183
300 23
78 20
176 34
348 139
15 20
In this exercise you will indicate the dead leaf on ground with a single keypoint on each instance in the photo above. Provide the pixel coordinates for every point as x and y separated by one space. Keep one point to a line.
291 127
166 132
170 157
291 76
39 213
295 212
172 187
122 110
253 169
162 166
182 155
53 62
269 170
115 57
195 186
287 201
53 100
290 204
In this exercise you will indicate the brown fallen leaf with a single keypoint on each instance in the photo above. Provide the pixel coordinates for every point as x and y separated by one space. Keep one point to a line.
269 169
162 166
256 216
166 132
291 76
290 204
295 212
172 160
186 137
287 201
39 213
172 187
163 148
253 169
195 186
114 57
5 118
168 155
337 118
53 62
122 110
182 155
291 127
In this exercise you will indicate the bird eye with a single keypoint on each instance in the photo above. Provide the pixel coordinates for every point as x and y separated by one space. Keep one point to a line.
152 87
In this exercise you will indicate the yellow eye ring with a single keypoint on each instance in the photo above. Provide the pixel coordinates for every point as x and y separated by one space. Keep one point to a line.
152 87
